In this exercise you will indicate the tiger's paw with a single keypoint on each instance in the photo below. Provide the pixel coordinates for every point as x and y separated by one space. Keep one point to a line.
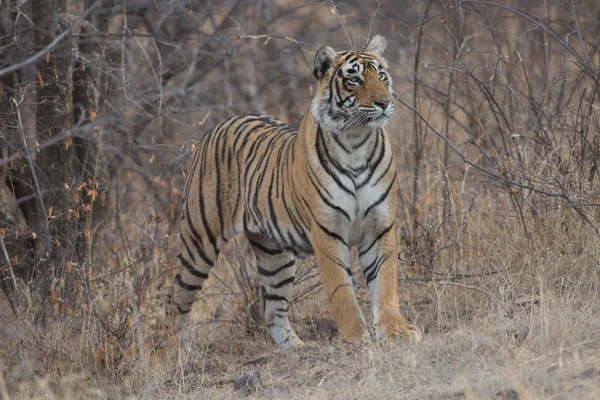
285 338
292 344
393 325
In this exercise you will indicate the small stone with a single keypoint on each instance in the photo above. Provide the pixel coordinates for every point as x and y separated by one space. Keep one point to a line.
247 382
589 373
326 326
508 394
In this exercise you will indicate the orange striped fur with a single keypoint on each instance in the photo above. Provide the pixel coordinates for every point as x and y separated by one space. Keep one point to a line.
321 188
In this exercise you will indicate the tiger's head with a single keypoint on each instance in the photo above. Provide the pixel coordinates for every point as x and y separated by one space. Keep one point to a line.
355 88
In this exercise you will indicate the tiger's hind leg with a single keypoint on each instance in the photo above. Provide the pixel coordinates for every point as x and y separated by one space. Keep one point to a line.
277 273
195 263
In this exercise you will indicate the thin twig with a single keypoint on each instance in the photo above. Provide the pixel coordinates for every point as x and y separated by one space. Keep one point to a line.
140 341
350 41
471 163
12 276
373 20
475 289
46 49
581 42
31 166
536 21
36 56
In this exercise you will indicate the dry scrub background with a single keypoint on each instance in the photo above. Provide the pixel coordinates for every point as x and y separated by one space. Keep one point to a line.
500 246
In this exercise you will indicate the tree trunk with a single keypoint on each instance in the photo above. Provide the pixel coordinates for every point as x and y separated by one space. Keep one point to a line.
17 244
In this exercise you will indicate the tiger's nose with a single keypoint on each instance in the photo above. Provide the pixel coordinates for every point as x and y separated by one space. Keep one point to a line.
384 104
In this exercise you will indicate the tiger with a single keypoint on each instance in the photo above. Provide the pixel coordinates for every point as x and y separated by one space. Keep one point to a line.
319 188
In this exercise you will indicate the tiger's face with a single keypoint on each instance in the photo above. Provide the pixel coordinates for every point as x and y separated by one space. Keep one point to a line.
355 88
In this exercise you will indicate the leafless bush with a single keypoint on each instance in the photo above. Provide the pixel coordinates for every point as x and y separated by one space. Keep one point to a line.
496 137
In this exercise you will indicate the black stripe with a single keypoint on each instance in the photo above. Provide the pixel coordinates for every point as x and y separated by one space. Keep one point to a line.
358 170
298 202
376 164
324 229
386 230
340 101
190 268
339 263
279 165
379 159
375 147
204 159
295 224
351 58
331 88
225 133
249 161
181 311
196 242
191 170
337 140
326 201
268 273
259 171
335 163
243 130
272 209
292 215
239 193
331 233
284 282
184 285
218 178
370 277
187 248
325 166
312 171
387 169
370 266
362 142
381 198
273 297
264 249
211 236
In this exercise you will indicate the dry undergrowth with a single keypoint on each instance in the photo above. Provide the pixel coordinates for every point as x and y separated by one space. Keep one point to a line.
500 251
529 331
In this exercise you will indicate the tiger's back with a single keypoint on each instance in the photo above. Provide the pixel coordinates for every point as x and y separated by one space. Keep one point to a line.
240 171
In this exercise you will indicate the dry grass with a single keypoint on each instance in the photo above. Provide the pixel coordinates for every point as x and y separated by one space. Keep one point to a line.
531 331
500 254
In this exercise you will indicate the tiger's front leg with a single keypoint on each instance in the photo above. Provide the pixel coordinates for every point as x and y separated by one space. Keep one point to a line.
333 257
378 260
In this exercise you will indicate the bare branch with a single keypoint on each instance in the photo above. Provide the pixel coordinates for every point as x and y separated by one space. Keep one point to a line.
33 58
350 41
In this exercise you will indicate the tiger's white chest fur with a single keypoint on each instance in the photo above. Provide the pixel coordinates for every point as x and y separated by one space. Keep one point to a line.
363 164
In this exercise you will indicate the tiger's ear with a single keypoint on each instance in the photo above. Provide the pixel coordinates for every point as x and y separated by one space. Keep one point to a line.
323 61
376 45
